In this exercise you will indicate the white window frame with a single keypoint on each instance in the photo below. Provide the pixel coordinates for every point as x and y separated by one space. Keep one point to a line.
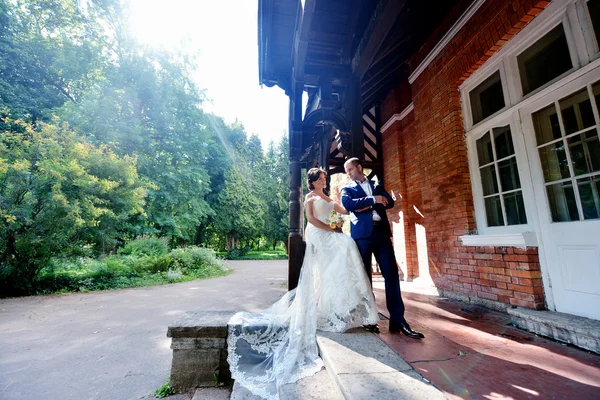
587 29
577 50
510 119
583 48
466 98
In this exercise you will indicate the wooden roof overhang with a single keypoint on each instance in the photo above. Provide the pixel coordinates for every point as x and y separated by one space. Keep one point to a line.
347 55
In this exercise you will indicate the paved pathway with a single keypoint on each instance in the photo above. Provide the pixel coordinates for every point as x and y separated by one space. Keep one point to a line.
471 352
113 344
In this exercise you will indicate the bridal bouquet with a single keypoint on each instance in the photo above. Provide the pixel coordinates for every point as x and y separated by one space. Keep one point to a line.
335 220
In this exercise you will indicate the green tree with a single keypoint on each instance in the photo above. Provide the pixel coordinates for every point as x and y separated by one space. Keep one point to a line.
276 227
49 55
239 209
149 108
59 194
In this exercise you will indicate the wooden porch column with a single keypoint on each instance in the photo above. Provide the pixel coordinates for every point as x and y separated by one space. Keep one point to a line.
354 111
295 242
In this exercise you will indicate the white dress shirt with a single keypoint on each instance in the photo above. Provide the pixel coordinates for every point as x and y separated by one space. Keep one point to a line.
367 188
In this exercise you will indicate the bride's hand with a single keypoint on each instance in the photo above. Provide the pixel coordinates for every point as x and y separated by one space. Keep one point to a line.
338 230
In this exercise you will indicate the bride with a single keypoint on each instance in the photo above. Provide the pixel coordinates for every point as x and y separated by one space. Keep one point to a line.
278 346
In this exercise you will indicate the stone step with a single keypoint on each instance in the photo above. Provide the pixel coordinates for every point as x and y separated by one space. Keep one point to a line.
579 331
364 367
211 394
316 387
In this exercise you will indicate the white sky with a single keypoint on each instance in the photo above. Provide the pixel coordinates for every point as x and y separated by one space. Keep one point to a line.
223 32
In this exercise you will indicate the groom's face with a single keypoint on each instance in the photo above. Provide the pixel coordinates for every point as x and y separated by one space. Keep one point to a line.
354 172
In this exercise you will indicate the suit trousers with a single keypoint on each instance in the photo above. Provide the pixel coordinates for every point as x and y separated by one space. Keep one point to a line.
380 245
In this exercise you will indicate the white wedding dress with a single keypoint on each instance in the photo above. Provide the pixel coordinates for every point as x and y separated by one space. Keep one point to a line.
278 346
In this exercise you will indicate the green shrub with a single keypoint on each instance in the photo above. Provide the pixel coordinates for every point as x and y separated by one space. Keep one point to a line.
123 271
149 246
237 253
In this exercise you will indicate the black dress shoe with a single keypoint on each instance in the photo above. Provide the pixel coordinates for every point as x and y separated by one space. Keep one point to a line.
372 328
405 329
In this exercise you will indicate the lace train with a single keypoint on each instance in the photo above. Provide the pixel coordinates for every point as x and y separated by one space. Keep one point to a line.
278 346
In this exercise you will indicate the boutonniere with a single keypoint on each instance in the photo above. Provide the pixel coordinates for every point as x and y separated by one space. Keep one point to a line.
376 185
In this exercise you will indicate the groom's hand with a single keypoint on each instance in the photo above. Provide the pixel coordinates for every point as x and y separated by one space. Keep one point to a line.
381 200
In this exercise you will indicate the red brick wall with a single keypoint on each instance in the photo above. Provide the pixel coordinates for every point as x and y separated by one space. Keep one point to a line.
396 100
395 180
433 166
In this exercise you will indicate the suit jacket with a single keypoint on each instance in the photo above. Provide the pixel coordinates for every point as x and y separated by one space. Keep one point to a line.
361 223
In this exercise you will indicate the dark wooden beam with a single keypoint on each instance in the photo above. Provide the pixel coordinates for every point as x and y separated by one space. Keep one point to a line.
382 20
371 116
301 39
379 147
354 115
369 94
391 47
371 155
370 142
336 170
351 31
393 64
336 71
295 242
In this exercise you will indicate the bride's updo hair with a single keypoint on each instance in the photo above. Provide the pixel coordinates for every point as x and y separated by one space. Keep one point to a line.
312 175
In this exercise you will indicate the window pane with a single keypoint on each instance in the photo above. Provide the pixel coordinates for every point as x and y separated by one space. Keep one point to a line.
515 208
585 153
509 175
554 162
493 211
545 123
577 112
488 180
562 202
593 147
594 9
484 150
589 196
487 98
596 91
569 120
503 142
587 115
548 58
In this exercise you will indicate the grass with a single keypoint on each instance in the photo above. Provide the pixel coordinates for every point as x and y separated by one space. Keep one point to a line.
277 254
266 255
136 269
165 390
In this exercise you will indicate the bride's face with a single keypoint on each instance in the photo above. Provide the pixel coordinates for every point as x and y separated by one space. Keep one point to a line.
320 183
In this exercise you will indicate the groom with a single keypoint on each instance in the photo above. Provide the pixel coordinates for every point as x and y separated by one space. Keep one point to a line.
371 231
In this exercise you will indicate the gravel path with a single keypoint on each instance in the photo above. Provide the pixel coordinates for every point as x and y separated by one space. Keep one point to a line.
113 344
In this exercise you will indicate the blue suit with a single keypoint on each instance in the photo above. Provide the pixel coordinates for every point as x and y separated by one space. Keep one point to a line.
375 239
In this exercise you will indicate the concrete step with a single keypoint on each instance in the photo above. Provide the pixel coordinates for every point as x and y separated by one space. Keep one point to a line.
579 331
316 387
364 367
211 394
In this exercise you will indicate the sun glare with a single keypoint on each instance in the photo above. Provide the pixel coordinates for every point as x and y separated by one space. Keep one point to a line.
222 35
160 25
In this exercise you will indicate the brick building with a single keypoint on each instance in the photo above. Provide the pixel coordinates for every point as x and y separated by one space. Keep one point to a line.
482 115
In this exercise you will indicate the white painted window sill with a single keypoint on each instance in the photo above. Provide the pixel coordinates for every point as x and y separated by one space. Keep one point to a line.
523 239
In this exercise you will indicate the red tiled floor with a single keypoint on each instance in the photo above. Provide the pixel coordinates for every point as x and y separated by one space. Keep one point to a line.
471 352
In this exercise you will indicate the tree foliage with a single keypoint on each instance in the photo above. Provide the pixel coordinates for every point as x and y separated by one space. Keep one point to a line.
105 140
59 193
276 226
